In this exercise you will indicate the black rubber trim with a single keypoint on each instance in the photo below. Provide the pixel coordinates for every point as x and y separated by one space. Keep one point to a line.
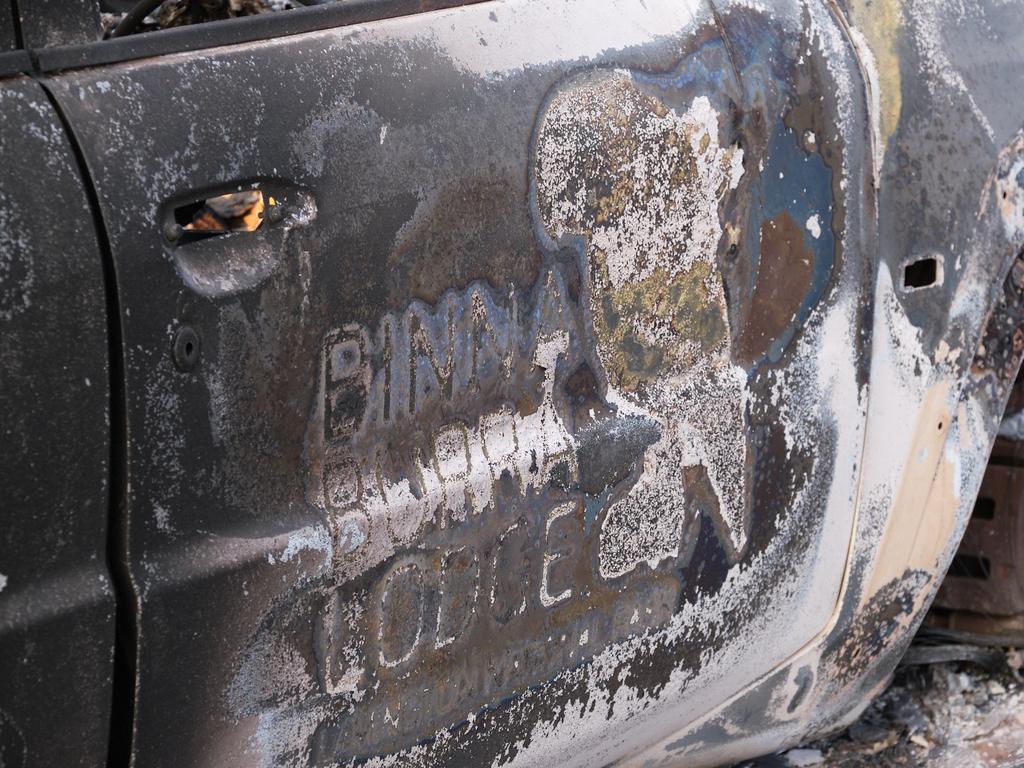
14 63
233 31
19 40
126 605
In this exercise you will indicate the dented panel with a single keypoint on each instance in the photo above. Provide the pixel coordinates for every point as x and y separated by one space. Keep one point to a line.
575 405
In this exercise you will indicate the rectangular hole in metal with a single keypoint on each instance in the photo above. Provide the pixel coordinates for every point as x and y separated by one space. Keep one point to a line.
970 567
221 214
984 509
921 273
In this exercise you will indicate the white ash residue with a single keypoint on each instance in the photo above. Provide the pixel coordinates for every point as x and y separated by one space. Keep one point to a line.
950 715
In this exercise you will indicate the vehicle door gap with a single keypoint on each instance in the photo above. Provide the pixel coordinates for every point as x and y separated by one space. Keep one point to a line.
122 726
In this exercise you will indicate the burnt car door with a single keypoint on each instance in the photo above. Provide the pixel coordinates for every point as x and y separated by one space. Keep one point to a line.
57 607
527 425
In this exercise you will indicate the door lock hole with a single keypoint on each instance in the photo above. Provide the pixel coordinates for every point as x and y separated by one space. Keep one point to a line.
243 211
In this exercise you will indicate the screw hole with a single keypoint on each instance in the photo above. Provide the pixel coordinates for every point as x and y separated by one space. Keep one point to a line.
921 273
186 349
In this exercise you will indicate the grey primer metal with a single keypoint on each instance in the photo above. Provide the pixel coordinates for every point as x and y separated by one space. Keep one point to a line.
612 384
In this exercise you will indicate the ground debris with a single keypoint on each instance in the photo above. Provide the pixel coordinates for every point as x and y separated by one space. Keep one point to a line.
178 13
945 715
804 757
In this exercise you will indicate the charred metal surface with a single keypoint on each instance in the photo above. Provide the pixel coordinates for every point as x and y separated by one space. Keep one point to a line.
8 38
50 23
574 409
997 359
947 350
854 650
984 584
56 602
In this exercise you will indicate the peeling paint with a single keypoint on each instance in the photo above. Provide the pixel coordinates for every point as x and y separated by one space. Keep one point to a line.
640 187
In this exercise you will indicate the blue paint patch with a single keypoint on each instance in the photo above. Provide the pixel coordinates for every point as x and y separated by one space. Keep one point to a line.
592 507
798 183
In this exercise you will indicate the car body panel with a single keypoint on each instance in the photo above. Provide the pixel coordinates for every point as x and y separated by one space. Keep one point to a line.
574 408
8 40
56 597
51 23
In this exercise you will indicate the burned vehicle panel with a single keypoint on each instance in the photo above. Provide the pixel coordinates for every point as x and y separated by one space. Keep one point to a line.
56 596
576 399
943 354
7 39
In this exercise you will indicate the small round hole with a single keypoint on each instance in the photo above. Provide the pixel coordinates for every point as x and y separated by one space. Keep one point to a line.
186 348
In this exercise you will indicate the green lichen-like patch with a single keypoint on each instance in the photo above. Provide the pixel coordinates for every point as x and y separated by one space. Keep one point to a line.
671 311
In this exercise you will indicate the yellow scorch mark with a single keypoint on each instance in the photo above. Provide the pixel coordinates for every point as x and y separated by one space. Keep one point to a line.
879 21
923 515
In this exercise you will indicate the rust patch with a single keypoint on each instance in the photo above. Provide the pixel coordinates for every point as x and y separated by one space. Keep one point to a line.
783 279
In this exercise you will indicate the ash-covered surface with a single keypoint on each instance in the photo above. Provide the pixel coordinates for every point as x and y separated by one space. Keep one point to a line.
948 715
